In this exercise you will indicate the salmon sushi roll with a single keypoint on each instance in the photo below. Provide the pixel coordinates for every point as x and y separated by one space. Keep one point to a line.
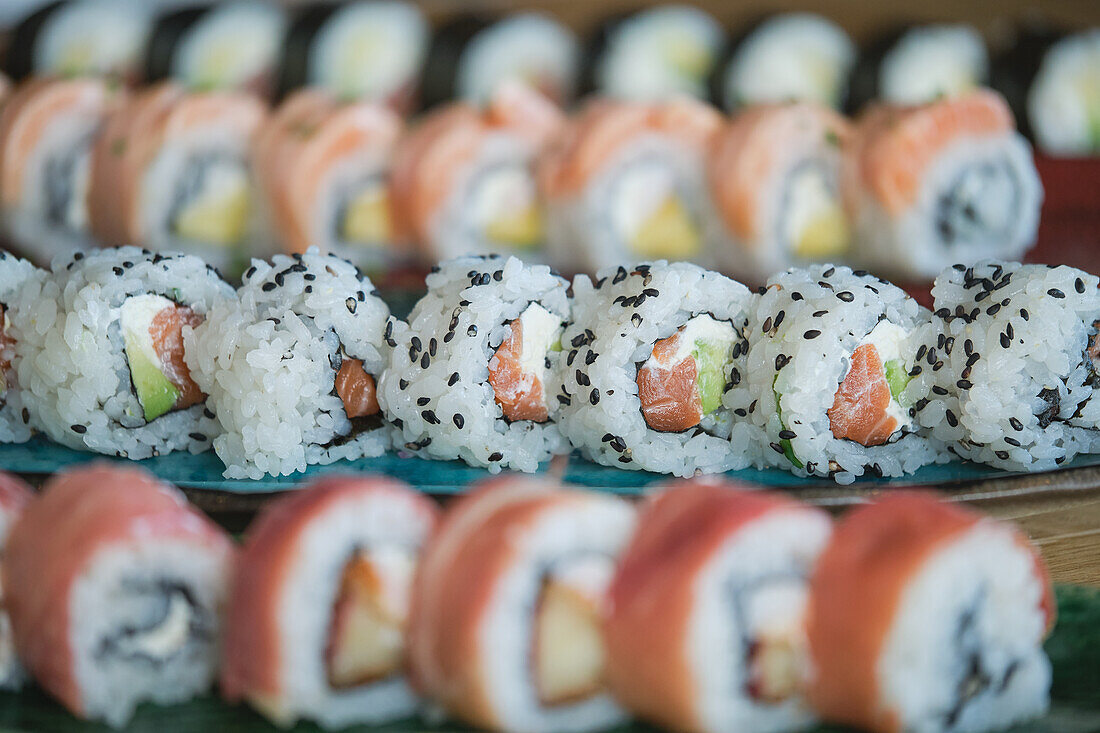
476 374
14 496
100 355
924 616
647 358
801 57
170 172
508 603
464 178
656 54
19 280
47 129
775 176
1011 362
626 182
316 621
227 45
105 38
322 169
945 182
292 366
1062 100
107 614
370 50
472 55
828 385
705 628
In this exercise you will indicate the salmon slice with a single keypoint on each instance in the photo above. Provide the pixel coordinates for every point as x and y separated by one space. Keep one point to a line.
167 333
670 397
356 389
859 408
519 393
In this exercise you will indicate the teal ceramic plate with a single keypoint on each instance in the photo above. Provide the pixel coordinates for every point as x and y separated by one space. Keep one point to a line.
1074 649
204 471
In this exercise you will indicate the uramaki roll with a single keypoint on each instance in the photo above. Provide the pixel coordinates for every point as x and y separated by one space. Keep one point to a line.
316 620
705 628
14 496
115 588
927 616
507 606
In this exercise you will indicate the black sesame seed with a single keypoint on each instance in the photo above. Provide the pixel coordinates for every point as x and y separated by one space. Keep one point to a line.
937 389
1005 341
309 288
594 398
579 340
937 366
267 287
118 271
620 275
421 401
846 296
915 370
952 420
964 384
968 347
498 275
966 372
471 331
948 345
582 379
973 359
796 295
740 412
921 352
767 325
453 380
1056 293
825 285
425 361
752 407
1016 424
787 434
607 438
494 457
635 319
309 276
198 437
432 346
624 459
350 304
458 420
1009 331
735 378
777 448
651 292
781 361
778 318
1012 441
564 400
570 357
1002 454
402 384
921 404
447 337
429 417
1024 314
992 310
590 357
79 429
829 273
1079 285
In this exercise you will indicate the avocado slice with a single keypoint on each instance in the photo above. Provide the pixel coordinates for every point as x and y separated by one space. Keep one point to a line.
711 358
367 217
785 443
220 213
521 229
155 392
668 232
898 379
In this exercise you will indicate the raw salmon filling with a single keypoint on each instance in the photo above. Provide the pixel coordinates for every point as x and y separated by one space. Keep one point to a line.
684 378
867 408
356 389
518 368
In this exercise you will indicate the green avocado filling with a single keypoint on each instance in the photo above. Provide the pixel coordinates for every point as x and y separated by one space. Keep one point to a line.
785 443
898 379
155 392
711 358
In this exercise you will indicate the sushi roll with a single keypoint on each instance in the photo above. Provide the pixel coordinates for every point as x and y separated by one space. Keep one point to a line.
705 629
229 45
80 38
1010 364
799 57
106 613
827 385
14 496
472 55
475 376
921 64
775 177
463 179
648 356
927 616
18 279
47 130
656 54
291 366
371 50
170 172
508 603
322 168
99 354
626 182
317 614
945 182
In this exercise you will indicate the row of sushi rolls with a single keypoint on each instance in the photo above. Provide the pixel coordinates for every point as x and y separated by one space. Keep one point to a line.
526 606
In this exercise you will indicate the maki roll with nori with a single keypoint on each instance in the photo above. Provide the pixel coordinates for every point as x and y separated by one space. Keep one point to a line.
170 172
292 365
371 50
1010 364
229 45
471 56
323 169
926 616
508 607
940 183
475 377
791 57
99 355
47 130
19 280
81 37
705 631
14 496
627 181
828 384
921 64
115 588
647 358
775 176
655 54
317 614
463 179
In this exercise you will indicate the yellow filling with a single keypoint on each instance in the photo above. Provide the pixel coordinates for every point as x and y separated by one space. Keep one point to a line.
825 235
220 220
520 229
668 232
569 652
367 217
366 640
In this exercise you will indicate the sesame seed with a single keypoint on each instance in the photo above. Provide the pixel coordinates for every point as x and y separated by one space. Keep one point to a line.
453 380
570 357
796 295
787 434
447 337
429 417
1016 424
829 273
590 357
968 347
79 429
620 275
819 314
948 345
1005 341
1079 285
781 361
915 370
594 398
198 437
1056 293
767 325
1024 314
267 287
402 384
846 296
992 310
740 412
1012 441
471 331
964 384
777 448
937 389
811 334
1009 331
973 359
942 313
951 419
922 351
1002 454
607 437
582 379
494 457
425 361
778 318
118 271
937 366
421 401
498 275
564 400
458 420
636 319
432 346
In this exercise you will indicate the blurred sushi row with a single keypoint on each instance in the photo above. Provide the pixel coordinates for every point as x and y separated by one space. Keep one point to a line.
661 367
902 190
527 606
384 50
